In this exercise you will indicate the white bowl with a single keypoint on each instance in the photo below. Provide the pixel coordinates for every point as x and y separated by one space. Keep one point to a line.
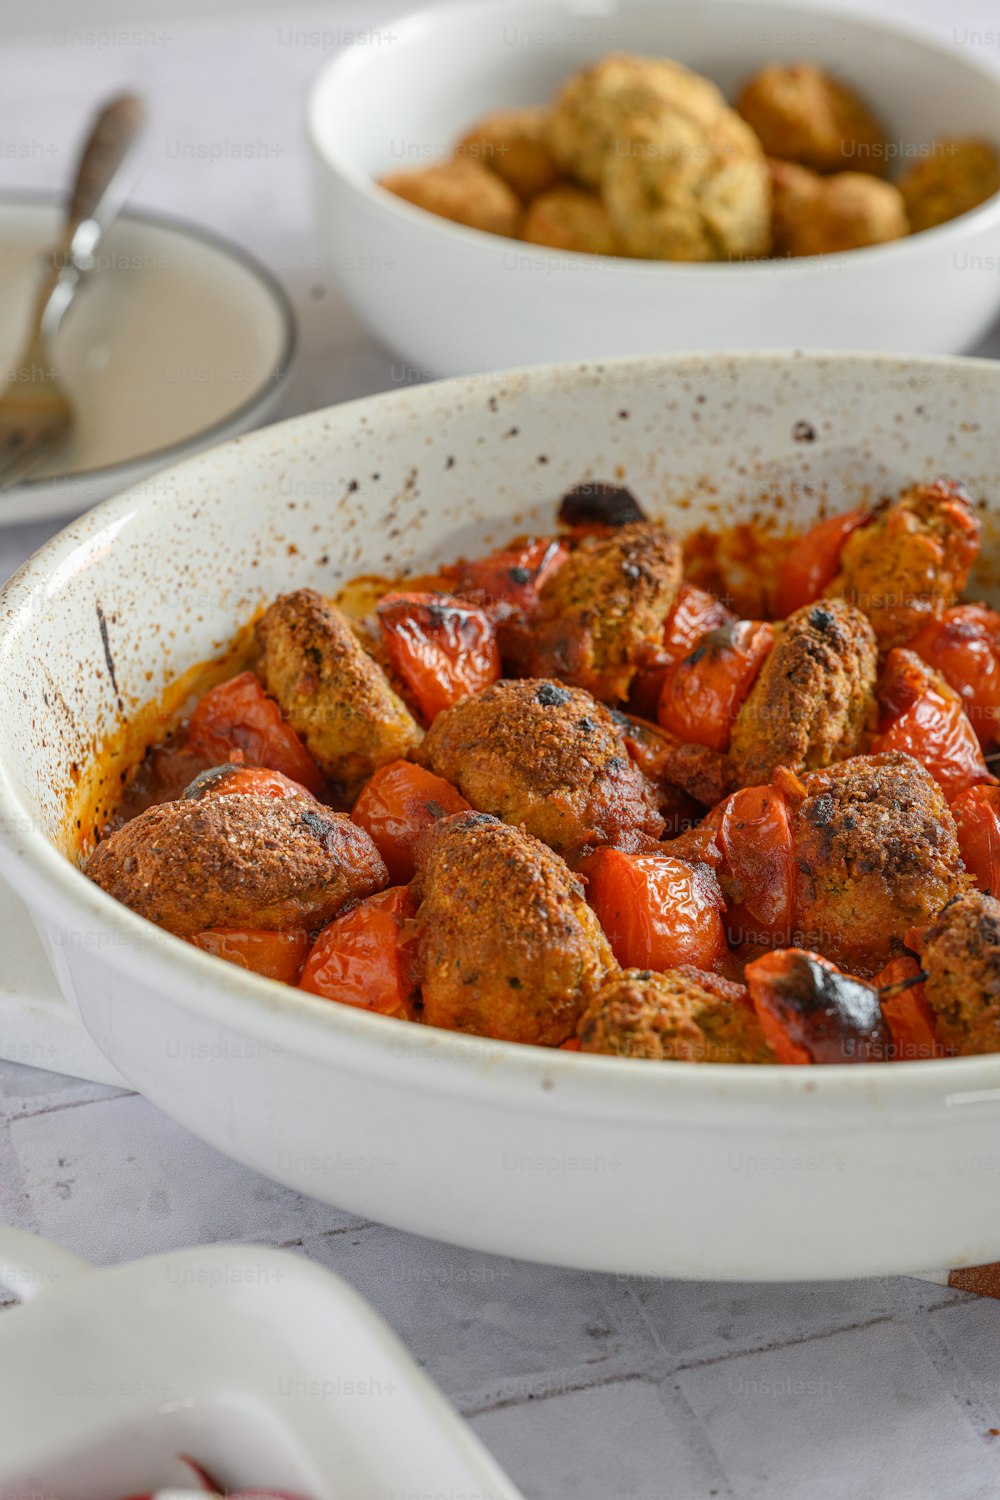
452 300
640 1167
269 1371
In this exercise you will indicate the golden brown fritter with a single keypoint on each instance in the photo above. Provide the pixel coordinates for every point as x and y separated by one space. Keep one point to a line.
678 189
569 218
958 175
876 852
242 860
331 692
805 115
507 945
681 1014
550 758
814 215
513 143
960 953
462 190
911 563
602 612
814 700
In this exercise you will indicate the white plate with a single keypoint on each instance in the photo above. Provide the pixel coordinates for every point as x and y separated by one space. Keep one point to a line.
269 1371
740 1173
177 341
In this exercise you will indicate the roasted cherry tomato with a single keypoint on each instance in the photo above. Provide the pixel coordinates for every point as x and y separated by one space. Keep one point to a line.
362 957
922 716
276 955
442 649
657 911
234 777
239 715
963 644
748 840
811 1012
813 561
703 693
653 753
509 580
977 817
906 1011
573 1045
397 805
694 614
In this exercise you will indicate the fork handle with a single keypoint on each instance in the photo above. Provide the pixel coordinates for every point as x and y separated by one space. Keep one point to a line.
104 175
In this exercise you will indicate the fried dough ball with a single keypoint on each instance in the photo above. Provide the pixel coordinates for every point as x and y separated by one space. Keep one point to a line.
549 758
514 144
507 945
957 176
331 691
569 218
679 189
243 860
814 699
462 190
876 852
596 105
960 953
911 563
805 115
602 612
681 1014
814 215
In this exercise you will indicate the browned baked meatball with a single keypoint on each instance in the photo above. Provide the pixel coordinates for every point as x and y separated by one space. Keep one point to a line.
569 218
513 143
462 190
911 563
814 215
242 860
682 1014
960 953
547 757
603 610
331 691
805 115
956 176
507 945
814 699
876 852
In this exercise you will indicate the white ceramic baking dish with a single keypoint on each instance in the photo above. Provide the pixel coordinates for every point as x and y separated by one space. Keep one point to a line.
623 1165
451 299
270 1372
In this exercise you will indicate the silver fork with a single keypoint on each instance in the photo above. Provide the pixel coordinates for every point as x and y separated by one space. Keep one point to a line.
36 415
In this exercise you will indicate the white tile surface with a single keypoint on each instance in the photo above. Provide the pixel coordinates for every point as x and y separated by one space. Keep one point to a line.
586 1387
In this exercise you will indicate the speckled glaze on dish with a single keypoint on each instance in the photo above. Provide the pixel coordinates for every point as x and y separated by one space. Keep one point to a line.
600 1162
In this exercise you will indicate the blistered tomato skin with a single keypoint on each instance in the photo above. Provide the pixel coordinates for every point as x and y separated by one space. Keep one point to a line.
509 580
442 649
963 644
239 715
235 778
703 693
922 716
811 1012
977 818
399 803
362 957
813 561
695 612
657 911
275 955
906 1012
753 837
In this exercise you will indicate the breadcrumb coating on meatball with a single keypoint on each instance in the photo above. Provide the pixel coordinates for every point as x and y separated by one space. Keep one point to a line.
803 114
957 175
683 1015
514 143
813 702
462 190
549 758
570 218
960 953
876 852
508 947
